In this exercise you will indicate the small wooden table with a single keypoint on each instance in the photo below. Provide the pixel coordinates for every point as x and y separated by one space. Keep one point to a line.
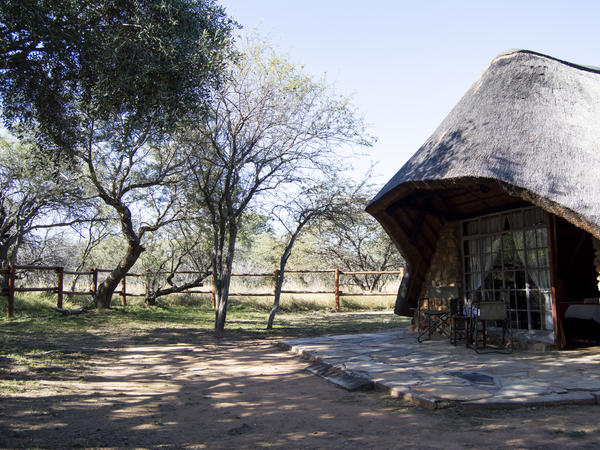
460 324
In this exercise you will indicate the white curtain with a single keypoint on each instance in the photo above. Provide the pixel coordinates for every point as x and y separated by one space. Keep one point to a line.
536 262
526 238
484 250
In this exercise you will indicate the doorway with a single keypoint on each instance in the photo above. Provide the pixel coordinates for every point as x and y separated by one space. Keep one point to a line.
577 285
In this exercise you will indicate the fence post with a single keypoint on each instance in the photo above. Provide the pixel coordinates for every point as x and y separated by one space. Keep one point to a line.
94 288
213 293
336 288
123 290
10 305
60 271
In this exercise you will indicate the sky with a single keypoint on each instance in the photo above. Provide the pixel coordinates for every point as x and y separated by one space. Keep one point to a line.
406 64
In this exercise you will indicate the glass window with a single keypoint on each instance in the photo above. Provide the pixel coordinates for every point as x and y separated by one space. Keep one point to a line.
471 227
506 257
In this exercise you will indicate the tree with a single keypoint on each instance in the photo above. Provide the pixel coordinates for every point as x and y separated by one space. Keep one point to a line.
91 234
143 61
269 125
323 201
34 197
356 242
119 75
140 182
185 246
182 246
254 246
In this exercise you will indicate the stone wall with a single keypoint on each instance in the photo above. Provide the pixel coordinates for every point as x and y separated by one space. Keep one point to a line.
596 243
445 268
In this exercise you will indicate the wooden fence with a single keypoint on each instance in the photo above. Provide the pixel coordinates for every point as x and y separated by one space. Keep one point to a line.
123 294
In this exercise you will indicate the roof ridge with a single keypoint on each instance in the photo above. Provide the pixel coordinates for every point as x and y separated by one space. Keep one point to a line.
593 69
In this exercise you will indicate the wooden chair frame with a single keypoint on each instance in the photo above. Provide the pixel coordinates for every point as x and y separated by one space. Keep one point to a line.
491 311
433 315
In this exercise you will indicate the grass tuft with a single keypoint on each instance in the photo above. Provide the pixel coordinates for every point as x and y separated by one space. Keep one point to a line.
35 320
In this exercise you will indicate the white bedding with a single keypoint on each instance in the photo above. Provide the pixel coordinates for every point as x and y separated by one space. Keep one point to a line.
581 311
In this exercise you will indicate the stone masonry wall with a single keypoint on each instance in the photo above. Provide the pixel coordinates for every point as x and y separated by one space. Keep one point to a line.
597 259
445 268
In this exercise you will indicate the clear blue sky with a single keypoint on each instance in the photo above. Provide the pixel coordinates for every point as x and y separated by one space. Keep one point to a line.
407 63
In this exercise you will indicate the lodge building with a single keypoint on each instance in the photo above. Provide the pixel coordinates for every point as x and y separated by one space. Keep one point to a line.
503 200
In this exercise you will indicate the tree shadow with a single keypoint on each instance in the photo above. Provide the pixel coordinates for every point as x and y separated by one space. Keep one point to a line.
181 387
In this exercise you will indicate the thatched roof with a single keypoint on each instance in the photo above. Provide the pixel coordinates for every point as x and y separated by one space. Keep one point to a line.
529 128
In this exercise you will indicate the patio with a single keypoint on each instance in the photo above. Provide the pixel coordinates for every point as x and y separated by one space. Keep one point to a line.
435 374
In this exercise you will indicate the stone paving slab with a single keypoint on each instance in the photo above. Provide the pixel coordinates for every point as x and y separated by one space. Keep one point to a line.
435 374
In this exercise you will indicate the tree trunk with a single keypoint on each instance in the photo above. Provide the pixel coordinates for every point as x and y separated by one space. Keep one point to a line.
223 270
222 282
6 258
4 277
150 299
282 263
277 295
221 312
105 291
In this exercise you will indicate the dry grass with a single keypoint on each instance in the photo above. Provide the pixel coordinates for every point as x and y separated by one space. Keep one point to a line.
253 285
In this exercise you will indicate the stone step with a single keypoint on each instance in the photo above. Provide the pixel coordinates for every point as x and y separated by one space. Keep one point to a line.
344 379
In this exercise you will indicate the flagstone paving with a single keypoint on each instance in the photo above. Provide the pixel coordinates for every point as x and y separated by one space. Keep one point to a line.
435 374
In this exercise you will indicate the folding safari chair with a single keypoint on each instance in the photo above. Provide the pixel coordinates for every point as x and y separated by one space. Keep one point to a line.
432 315
491 312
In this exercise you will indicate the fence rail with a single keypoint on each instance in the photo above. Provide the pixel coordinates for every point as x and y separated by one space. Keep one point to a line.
58 288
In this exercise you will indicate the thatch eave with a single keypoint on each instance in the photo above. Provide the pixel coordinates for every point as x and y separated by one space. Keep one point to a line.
378 208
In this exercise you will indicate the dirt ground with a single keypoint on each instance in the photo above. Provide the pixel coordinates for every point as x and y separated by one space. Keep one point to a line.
182 389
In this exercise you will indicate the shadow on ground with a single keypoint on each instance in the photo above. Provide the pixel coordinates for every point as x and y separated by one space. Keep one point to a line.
183 387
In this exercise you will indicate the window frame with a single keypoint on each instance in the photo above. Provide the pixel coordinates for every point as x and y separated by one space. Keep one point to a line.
530 223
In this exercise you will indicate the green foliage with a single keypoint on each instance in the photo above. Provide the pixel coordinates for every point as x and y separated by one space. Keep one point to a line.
252 224
27 176
107 253
269 126
258 254
356 242
147 61
31 190
181 245
109 81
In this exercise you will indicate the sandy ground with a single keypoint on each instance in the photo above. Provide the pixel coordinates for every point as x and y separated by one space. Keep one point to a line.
192 390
